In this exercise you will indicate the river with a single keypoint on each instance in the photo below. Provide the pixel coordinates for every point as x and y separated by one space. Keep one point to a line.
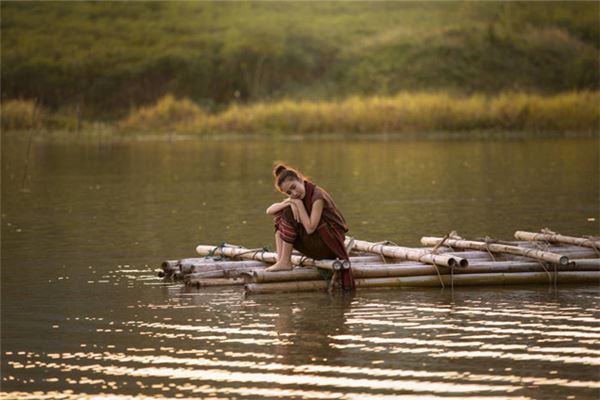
86 222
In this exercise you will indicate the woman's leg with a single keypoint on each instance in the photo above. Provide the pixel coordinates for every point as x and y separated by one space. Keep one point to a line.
285 236
278 244
284 258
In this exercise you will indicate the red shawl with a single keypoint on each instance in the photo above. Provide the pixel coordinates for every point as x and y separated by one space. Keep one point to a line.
332 227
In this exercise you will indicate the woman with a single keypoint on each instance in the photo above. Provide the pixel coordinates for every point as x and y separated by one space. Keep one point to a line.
308 220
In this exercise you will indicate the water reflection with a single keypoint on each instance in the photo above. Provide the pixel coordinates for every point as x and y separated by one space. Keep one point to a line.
84 315
366 345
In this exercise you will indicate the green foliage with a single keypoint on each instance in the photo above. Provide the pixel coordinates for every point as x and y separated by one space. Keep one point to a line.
405 112
111 57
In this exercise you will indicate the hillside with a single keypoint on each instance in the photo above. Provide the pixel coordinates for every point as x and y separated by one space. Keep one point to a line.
111 57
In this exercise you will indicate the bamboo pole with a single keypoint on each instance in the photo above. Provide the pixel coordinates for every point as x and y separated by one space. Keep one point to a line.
189 268
381 271
499 248
169 264
279 287
584 253
193 265
418 269
364 259
557 238
587 263
169 267
215 282
570 251
205 275
421 255
298 274
268 257
513 278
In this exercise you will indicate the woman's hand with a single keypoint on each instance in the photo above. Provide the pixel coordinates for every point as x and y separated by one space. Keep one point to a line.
277 207
295 211
296 202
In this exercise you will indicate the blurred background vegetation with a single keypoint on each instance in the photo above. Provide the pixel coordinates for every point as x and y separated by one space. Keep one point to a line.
176 65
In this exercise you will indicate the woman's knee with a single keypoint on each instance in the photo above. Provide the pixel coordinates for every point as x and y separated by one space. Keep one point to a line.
287 214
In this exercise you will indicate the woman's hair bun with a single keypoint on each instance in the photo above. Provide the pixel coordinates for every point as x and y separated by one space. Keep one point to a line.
278 169
282 172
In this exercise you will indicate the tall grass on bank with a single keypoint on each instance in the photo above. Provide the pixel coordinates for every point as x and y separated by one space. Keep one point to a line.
20 115
28 114
167 114
405 112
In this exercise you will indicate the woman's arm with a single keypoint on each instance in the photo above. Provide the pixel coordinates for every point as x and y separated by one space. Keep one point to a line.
310 222
276 207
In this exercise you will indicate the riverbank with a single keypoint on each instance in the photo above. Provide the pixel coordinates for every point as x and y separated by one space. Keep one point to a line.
406 112
413 114
219 53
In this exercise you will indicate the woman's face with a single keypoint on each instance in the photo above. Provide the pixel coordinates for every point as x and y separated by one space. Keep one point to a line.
293 188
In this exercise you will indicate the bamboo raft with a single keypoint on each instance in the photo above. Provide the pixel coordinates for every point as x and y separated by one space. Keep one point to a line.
533 258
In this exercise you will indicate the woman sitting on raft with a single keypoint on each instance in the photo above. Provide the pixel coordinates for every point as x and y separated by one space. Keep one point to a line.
308 220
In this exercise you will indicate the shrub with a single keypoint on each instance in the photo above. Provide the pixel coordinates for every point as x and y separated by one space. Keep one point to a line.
168 113
20 114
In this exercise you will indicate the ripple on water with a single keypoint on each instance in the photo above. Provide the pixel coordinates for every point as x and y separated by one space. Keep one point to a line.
210 344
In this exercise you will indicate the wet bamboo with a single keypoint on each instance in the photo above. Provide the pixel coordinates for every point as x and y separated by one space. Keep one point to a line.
557 238
215 282
227 273
189 268
204 275
364 259
268 257
569 251
587 263
177 275
406 253
513 278
280 287
169 267
407 268
390 270
297 274
169 264
418 269
583 253
499 248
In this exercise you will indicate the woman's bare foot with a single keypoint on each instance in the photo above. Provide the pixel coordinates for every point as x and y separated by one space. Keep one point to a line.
279 266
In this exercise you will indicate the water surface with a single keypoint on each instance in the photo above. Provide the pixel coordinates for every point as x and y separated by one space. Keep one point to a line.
83 313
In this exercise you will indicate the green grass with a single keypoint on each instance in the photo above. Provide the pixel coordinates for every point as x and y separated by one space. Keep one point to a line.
112 57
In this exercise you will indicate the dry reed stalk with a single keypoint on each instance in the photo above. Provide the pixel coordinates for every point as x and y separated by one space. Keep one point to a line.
499 248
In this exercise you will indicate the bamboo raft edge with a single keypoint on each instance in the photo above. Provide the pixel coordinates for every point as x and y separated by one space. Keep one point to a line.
445 261
500 279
